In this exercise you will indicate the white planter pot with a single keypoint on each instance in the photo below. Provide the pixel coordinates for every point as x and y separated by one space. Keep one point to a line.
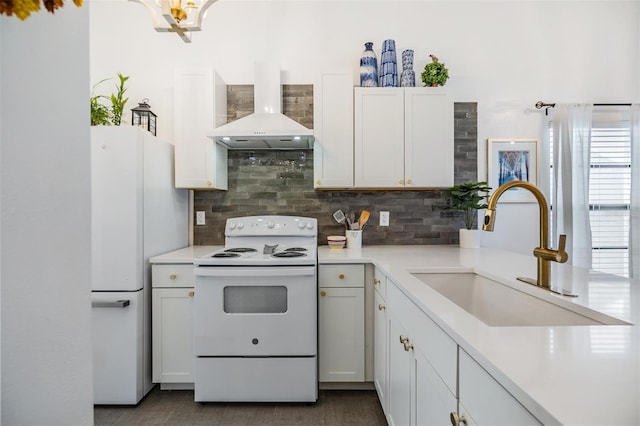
469 238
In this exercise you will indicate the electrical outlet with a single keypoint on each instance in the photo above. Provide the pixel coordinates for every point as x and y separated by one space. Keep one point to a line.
200 218
384 218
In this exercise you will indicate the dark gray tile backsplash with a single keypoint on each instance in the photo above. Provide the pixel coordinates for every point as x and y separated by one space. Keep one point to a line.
281 183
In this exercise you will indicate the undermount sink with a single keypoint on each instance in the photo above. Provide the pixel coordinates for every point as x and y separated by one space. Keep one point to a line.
499 305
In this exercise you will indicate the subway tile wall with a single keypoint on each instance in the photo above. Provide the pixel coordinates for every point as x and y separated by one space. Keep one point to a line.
281 183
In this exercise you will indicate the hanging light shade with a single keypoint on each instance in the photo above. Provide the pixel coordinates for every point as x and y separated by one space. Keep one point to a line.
177 16
143 117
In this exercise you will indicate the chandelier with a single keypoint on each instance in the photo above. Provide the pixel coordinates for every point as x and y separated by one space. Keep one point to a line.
177 16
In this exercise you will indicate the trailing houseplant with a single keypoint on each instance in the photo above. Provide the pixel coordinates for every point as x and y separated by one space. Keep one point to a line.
468 198
103 115
435 73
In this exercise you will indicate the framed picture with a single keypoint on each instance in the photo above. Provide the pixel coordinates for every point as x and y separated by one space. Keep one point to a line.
509 160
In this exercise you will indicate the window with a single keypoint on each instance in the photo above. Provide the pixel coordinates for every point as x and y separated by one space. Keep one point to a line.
609 188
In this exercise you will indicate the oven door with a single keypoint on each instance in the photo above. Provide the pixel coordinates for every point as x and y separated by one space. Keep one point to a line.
255 311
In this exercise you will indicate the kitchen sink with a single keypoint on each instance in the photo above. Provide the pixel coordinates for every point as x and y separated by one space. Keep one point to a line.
499 305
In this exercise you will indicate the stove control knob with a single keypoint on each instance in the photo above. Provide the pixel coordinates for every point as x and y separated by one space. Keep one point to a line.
232 225
301 225
271 224
310 225
241 225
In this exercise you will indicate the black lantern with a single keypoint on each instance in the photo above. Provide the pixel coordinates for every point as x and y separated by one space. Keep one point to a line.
143 117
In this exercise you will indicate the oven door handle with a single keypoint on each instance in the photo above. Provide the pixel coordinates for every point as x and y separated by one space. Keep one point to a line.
221 271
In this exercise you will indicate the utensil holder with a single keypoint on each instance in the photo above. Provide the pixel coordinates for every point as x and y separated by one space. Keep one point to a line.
354 239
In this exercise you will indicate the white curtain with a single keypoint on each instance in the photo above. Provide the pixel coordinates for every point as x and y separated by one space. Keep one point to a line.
570 192
634 225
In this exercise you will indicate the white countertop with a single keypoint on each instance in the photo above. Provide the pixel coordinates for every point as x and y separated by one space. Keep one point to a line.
574 375
184 255
564 374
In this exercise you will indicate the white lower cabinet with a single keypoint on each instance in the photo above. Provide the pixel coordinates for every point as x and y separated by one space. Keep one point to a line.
434 401
380 347
341 349
171 325
417 394
484 401
424 378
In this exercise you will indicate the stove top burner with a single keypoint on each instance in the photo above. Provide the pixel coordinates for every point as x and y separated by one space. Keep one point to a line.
226 255
295 249
289 254
241 250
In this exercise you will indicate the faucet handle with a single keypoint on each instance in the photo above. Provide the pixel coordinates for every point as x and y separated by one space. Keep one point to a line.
562 256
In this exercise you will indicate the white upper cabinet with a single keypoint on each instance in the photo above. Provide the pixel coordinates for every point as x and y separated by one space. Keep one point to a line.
333 131
428 137
403 138
379 137
200 106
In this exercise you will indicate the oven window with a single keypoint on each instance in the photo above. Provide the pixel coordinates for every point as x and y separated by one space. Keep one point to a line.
255 300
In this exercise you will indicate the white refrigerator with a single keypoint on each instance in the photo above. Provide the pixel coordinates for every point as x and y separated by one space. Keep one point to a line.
136 214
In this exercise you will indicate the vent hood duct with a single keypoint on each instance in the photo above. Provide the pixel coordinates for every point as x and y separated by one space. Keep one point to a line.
267 127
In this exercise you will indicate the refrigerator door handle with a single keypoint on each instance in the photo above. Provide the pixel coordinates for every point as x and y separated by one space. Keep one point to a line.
112 304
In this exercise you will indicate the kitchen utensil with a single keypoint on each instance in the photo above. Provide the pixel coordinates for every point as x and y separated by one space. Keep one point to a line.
364 217
339 216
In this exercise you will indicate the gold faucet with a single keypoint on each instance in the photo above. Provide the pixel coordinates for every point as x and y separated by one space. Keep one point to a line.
544 252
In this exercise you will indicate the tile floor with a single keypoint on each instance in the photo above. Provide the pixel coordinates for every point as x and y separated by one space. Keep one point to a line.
334 408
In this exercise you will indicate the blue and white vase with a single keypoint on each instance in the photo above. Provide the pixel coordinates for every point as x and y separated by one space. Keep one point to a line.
388 76
368 67
408 76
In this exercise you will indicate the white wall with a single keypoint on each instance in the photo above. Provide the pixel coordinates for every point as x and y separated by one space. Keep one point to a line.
45 219
505 55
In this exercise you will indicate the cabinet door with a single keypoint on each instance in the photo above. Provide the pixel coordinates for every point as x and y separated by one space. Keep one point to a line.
484 400
200 106
434 401
379 137
401 381
428 152
333 131
341 334
380 349
172 318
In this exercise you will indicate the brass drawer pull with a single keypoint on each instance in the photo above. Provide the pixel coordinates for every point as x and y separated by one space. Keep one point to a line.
173 276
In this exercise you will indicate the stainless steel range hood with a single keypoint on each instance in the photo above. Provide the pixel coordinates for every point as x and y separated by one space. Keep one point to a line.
267 127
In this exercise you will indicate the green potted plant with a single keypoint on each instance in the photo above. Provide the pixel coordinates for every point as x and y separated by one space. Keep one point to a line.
435 73
469 197
103 115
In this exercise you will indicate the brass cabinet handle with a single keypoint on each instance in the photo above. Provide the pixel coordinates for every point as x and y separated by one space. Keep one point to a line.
173 276
376 281
403 339
209 183
401 181
381 307
457 420
407 346
409 182
192 293
323 293
318 182
341 276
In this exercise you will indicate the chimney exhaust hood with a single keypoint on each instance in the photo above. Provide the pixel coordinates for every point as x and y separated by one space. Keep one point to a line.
267 127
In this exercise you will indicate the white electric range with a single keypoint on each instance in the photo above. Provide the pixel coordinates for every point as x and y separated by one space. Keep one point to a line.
255 312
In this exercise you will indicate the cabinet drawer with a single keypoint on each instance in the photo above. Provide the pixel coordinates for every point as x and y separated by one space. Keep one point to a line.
436 345
169 275
485 400
380 283
341 275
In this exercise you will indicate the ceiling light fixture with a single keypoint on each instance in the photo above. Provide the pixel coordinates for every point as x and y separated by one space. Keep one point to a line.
177 16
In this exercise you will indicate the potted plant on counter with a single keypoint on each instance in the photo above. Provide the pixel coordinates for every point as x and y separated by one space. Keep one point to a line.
468 198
